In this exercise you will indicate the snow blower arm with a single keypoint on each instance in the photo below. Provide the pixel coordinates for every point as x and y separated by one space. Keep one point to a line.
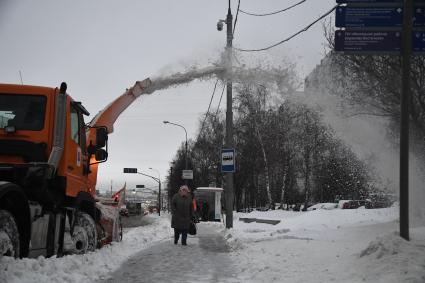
111 112
107 117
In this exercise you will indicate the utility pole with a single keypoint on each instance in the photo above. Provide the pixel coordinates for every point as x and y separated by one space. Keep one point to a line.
404 121
229 121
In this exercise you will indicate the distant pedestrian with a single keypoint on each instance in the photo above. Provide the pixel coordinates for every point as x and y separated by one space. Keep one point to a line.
182 212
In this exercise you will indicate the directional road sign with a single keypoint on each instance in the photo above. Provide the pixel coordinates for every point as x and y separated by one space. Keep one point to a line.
418 43
364 17
376 41
368 1
388 41
227 160
350 17
419 17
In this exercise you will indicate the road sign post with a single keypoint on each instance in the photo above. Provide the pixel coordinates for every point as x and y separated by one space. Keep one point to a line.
381 27
404 121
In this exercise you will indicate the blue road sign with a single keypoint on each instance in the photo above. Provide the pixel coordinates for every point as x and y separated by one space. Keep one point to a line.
418 41
350 17
360 17
419 17
368 41
227 160
368 1
376 41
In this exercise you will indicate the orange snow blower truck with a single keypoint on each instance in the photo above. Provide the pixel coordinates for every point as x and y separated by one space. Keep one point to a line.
48 168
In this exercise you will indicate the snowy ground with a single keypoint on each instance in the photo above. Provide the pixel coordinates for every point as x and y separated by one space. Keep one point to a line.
89 267
328 246
317 246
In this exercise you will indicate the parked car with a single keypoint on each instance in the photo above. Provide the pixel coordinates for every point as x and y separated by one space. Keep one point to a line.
380 200
263 208
370 204
325 205
353 204
245 210
297 207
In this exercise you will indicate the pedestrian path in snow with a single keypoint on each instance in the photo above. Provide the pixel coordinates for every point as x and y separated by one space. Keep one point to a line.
204 259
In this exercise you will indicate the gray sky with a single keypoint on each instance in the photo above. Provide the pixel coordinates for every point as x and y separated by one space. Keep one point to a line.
101 47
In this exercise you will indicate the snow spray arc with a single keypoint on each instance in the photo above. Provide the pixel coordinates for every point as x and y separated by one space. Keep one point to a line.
183 78
257 75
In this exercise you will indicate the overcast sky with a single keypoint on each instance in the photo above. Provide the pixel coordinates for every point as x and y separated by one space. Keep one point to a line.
102 47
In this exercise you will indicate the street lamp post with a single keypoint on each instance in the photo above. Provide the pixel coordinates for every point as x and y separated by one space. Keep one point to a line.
159 190
185 154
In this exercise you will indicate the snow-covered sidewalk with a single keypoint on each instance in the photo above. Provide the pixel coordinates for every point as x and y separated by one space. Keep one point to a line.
88 267
204 259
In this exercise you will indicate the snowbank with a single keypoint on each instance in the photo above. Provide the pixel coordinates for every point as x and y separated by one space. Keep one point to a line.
390 258
353 245
88 267
316 220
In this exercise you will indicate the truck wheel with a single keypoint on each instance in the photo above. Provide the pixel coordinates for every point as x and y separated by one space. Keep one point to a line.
85 234
9 235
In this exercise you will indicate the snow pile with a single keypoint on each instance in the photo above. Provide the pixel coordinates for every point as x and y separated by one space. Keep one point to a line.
352 245
390 253
383 246
298 225
88 267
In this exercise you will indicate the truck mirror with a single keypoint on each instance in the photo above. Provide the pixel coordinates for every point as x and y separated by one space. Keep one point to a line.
101 137
101 155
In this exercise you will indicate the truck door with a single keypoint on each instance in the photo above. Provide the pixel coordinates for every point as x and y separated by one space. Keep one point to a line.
76 154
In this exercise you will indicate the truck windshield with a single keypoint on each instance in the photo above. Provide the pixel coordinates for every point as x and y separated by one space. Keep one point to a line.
25 112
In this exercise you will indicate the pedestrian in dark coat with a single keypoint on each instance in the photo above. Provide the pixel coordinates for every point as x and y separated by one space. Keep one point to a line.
182 211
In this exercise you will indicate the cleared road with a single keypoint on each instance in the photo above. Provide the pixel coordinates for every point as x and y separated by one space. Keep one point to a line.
204 259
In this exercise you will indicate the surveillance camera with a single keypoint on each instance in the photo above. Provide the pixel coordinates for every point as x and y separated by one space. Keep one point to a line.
220 26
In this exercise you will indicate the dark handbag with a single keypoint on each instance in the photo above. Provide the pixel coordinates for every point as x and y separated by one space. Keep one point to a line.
192 228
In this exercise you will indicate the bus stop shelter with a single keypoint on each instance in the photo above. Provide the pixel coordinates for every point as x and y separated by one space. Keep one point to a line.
208 203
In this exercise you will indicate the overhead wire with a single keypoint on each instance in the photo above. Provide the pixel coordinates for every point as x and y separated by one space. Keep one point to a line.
272 13
290 37
219 102
236 18
208 110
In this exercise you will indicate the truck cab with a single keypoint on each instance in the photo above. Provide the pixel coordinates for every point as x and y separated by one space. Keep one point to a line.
45 160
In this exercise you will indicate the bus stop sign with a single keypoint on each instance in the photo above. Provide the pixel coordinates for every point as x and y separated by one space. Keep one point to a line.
228 160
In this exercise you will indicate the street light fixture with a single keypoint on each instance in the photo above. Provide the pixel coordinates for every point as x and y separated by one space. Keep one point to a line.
159 190
185 154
